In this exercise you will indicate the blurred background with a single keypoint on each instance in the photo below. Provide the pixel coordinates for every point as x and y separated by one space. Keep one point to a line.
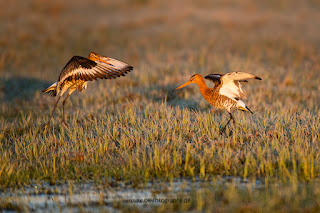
166 42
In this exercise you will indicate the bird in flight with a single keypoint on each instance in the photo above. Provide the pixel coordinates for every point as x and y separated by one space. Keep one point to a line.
227 92
79 70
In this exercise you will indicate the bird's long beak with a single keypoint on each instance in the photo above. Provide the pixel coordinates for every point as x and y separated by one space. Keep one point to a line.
183 85
96 57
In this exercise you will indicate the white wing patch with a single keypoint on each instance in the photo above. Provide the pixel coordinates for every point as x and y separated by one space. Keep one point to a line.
232 89
231 86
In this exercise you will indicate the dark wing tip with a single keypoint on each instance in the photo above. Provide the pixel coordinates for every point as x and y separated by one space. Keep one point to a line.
213 76
258 78
207 77
126 70
118 72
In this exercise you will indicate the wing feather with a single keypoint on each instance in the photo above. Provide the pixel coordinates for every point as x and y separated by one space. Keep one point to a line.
238 76
215 78
231 86
80 68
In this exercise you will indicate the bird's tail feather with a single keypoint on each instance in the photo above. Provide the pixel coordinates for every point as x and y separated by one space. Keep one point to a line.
51 90
241 106
245 109
249 110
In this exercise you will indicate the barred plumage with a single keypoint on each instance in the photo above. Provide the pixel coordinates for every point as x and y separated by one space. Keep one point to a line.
227 92
79 70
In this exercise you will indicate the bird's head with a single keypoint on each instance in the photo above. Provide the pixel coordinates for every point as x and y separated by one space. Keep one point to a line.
93 56
96 57
194 79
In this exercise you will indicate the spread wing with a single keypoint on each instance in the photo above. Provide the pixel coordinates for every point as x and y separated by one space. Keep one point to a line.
231 86
80 68
215 78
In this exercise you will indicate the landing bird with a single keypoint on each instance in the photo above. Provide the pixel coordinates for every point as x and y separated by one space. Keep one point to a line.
227 92
79 70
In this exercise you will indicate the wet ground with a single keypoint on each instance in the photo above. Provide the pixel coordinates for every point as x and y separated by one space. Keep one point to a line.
89 196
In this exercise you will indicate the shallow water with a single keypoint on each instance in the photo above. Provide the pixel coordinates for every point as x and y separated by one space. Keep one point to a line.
76 197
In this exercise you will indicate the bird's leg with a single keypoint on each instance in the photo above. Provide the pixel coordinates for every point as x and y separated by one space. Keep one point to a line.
234 121
55 106
231 118
63 116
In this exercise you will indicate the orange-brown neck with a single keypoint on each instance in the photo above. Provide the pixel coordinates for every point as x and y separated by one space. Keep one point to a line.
203 87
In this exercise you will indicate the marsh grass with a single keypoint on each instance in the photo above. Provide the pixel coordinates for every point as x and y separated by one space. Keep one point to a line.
132 128
232 197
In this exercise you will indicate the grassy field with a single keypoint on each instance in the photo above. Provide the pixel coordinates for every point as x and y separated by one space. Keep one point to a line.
132 130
